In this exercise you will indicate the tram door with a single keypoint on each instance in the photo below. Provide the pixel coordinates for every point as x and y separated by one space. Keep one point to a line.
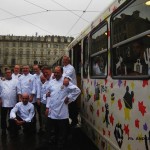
77 66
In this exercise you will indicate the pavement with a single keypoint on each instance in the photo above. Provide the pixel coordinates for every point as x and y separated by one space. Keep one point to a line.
77 140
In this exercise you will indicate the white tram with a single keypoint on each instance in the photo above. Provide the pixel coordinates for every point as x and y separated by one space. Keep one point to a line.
112 60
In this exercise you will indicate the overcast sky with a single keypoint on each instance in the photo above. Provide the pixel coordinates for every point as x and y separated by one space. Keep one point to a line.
48 17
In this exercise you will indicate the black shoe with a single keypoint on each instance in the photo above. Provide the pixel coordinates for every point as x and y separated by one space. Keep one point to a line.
4 132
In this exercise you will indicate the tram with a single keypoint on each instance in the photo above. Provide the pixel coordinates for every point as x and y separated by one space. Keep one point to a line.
112 61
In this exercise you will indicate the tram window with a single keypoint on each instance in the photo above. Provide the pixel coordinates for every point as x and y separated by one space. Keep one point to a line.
98 53
99 40
77 58
131 21
70 54
133 58
99 65
85 58
130 29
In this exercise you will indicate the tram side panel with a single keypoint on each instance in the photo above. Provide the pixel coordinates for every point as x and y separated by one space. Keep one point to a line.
119 117
115 112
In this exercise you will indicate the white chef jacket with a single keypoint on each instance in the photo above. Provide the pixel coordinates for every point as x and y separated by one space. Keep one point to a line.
8 92
25 112
37 77
58 92
15 76
27 84
43 92
46 85
70 71
38 84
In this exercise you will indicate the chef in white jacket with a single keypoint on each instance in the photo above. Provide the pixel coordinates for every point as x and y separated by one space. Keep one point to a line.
37 75
16 74
22 115
8 98
69 70
57 107
41 94
27 84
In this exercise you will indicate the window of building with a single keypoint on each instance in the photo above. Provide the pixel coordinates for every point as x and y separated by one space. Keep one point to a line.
48 52
20 53
7 44
62 46
49 45
5 61
6 52
55 39
21 44
98 52
68 40
131 41
55 46
13 52
13 61
28 44
14 44
49 39
34 44
28 53
62 39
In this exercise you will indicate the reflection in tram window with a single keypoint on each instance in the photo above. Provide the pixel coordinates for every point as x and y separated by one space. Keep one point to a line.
133 58
130 22
98 52
99 67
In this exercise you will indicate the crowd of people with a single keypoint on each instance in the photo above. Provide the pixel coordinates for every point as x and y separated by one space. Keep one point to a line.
52 95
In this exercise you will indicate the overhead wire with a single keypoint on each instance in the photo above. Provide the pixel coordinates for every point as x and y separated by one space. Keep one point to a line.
35 5
25 20
79 18
66 9
40 12
48 10
30 14
69 10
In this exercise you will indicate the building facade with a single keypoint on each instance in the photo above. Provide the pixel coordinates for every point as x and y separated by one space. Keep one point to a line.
22 50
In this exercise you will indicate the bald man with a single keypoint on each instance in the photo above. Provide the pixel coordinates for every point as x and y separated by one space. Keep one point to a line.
22 115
